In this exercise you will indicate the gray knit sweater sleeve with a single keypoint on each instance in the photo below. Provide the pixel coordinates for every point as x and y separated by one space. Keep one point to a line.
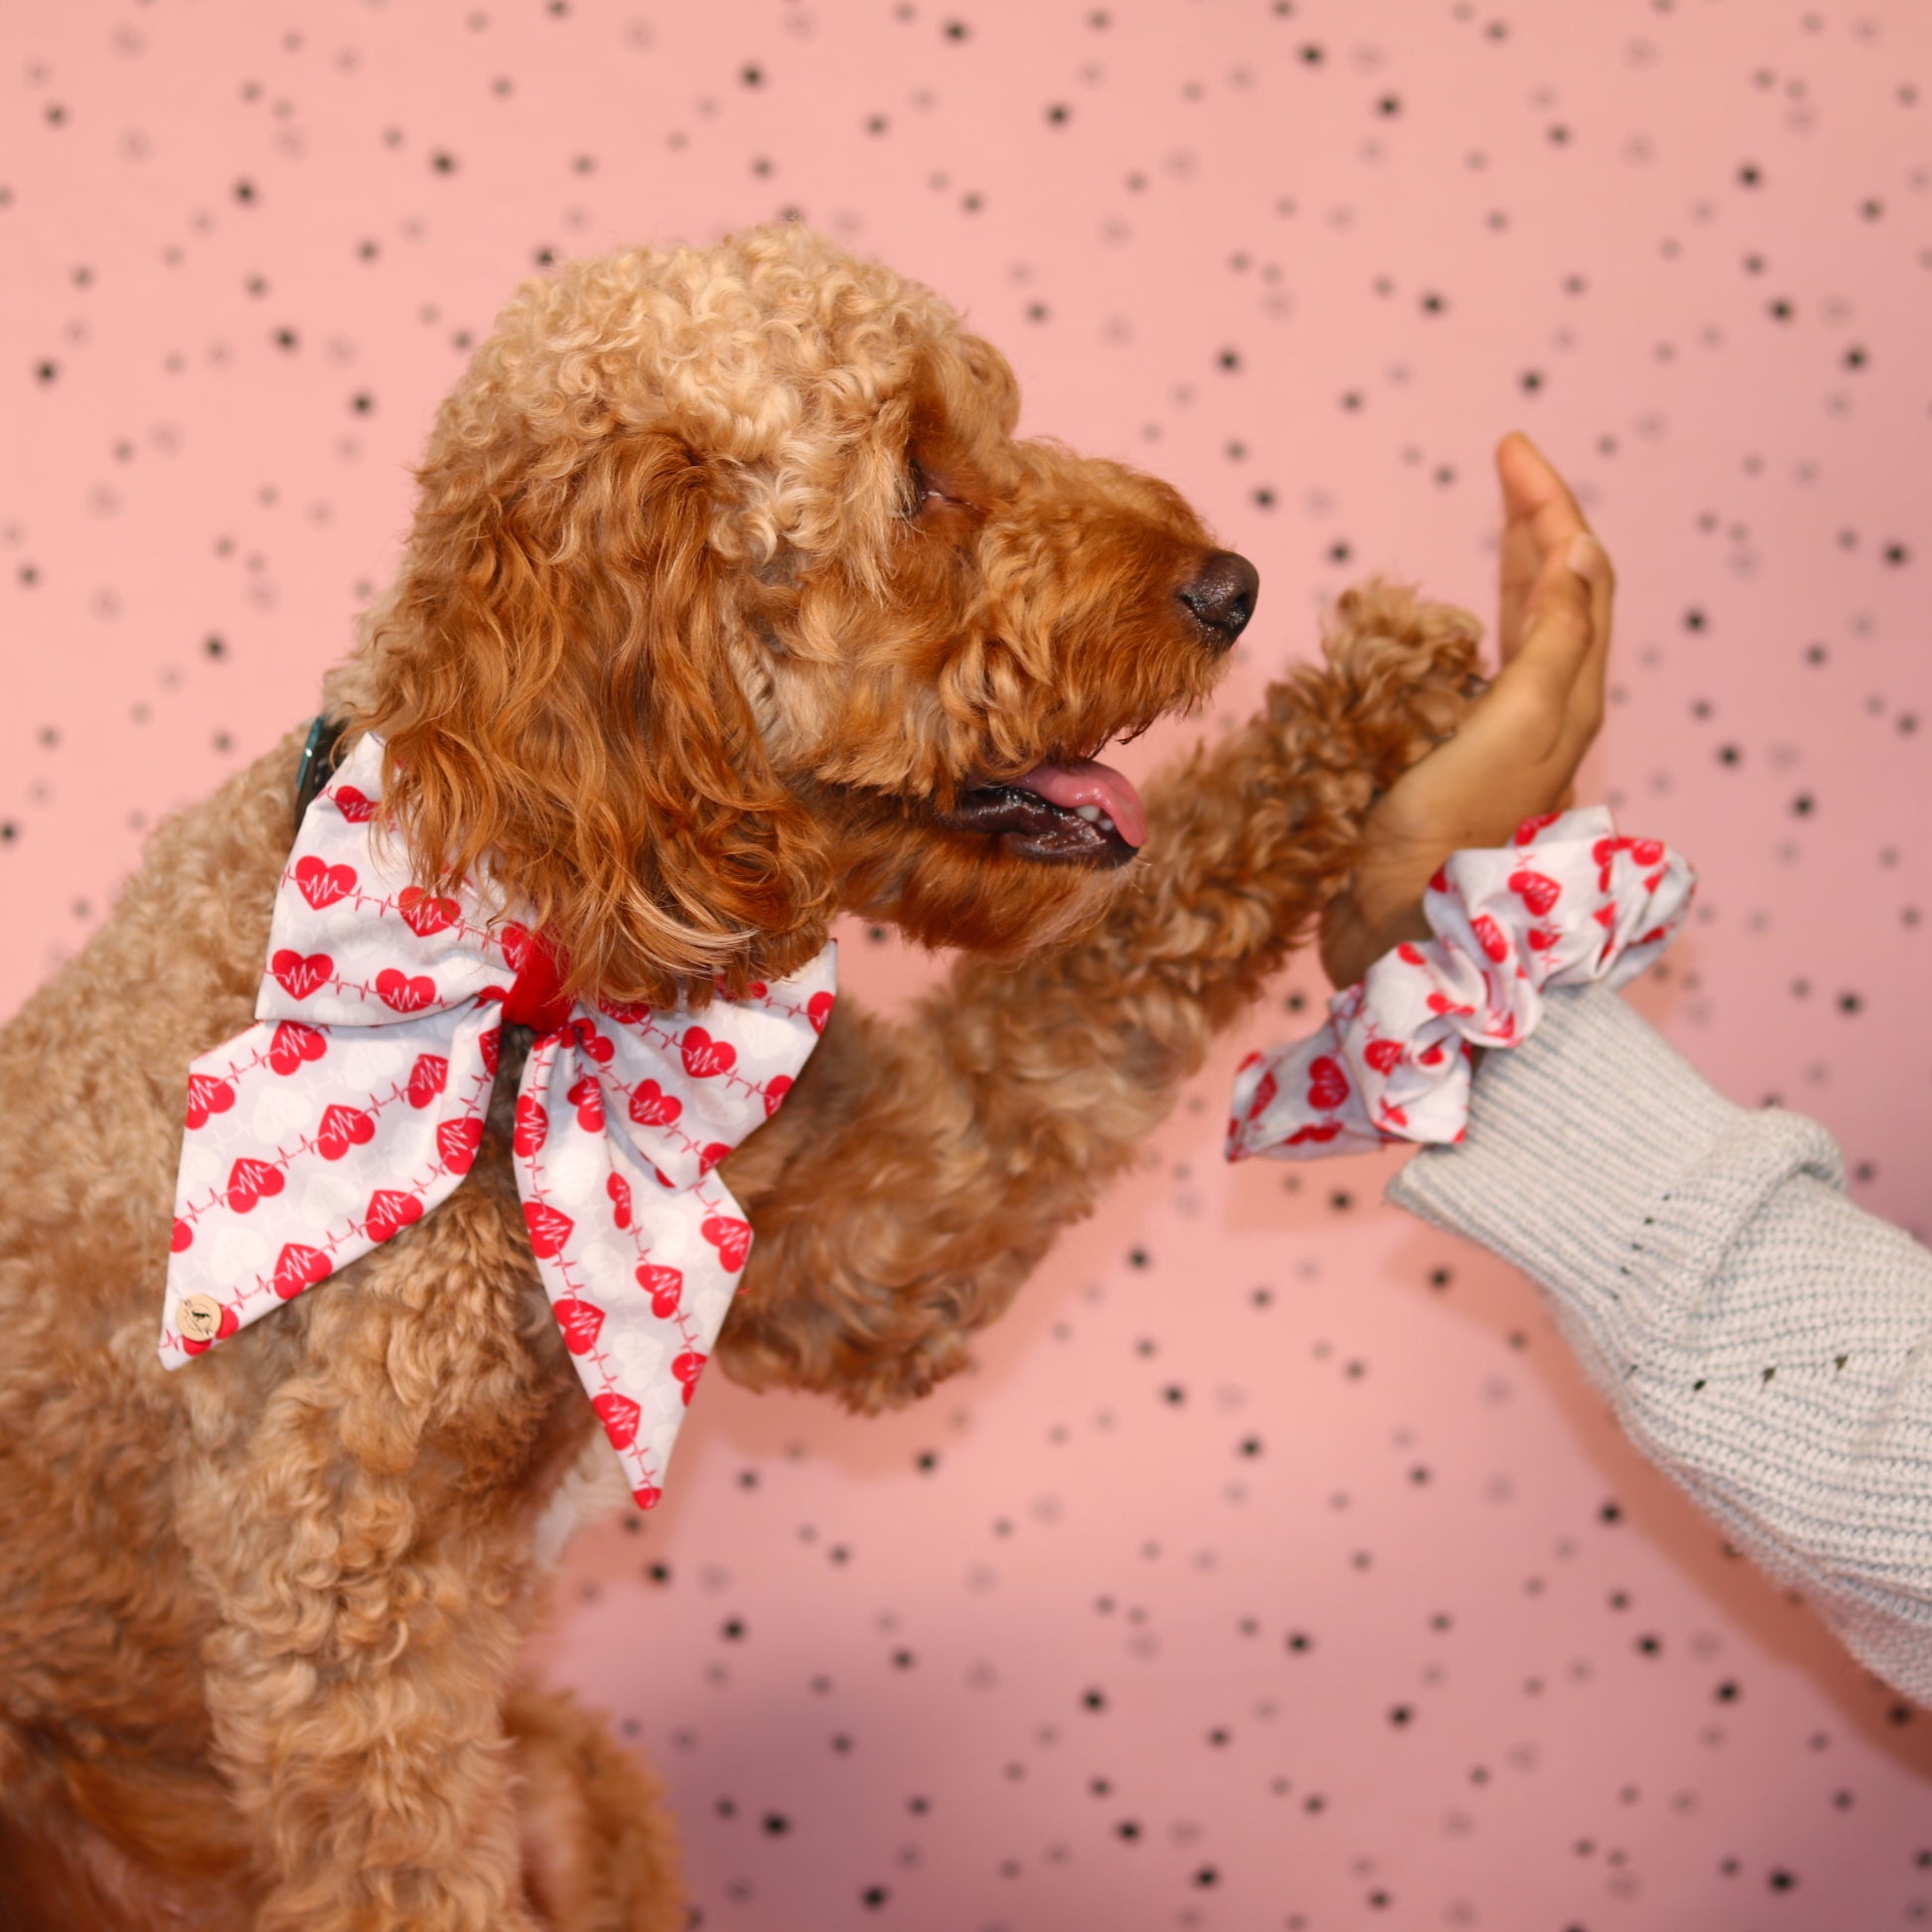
1758 1336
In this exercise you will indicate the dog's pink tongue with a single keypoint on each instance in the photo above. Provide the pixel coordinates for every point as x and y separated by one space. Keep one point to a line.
1087 781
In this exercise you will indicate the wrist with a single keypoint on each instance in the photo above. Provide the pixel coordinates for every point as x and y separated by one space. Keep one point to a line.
1353 943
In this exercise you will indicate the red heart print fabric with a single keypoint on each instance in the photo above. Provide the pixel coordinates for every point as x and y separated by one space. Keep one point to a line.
1568 901
356 1104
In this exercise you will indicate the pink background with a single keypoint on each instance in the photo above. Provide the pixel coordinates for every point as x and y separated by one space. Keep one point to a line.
1025 1657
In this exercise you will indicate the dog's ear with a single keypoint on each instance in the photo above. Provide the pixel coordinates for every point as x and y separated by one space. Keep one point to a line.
556 694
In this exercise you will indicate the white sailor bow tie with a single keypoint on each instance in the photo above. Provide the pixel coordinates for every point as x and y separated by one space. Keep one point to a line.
355 1104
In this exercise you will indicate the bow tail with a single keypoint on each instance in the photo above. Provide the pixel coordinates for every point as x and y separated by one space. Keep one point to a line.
308 1145
638 1273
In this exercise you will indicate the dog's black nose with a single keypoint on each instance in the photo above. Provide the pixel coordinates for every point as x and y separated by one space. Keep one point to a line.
1221 597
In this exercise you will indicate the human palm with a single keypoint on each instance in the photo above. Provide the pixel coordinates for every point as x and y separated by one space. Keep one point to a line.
1518 749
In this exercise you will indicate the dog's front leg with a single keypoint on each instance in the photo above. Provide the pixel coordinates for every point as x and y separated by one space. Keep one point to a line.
360 1537
921 1170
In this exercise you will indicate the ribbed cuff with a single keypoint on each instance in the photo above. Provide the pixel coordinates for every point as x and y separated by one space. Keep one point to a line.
1600 1162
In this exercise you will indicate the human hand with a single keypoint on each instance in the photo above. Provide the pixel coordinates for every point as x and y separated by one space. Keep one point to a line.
1517 752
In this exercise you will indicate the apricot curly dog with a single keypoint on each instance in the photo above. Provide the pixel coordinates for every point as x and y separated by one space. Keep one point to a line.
731 604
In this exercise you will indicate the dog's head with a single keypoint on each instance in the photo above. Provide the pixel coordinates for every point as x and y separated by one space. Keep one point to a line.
732 601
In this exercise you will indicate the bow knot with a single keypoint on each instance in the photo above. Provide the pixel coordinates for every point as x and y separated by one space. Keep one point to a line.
535 997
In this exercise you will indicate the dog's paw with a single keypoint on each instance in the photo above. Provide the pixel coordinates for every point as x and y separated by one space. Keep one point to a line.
598 1846
871 1349
1401 671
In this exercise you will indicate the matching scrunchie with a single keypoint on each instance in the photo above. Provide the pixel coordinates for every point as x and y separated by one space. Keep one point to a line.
1567 902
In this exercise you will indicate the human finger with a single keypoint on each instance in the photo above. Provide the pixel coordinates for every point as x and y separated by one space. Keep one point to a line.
1588 557
1540 515
1553 654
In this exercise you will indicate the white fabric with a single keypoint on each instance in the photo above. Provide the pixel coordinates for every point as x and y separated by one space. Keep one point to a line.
1567 903
356 1104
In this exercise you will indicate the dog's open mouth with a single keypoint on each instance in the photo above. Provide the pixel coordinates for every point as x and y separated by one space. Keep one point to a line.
1078 812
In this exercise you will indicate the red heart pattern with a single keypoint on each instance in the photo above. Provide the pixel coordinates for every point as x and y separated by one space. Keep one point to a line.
730 1237
598 1045
687 1368
550 1228
429 1076
250 1181
300 974
1536 890
424 913
652 1107
588 1098
1384 1055
1553 907
620 1417
1327 1084
400 989
457 1142
207 1094
665 1286
298 1267
344 1128
294 1045
619 1189
321 883
704 1057
581 1323
390 1211
533 1126
404 993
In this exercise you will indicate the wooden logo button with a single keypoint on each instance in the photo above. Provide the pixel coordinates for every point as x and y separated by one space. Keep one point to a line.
198 1317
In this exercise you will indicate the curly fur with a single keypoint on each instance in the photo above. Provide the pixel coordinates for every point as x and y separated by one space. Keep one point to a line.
728 581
